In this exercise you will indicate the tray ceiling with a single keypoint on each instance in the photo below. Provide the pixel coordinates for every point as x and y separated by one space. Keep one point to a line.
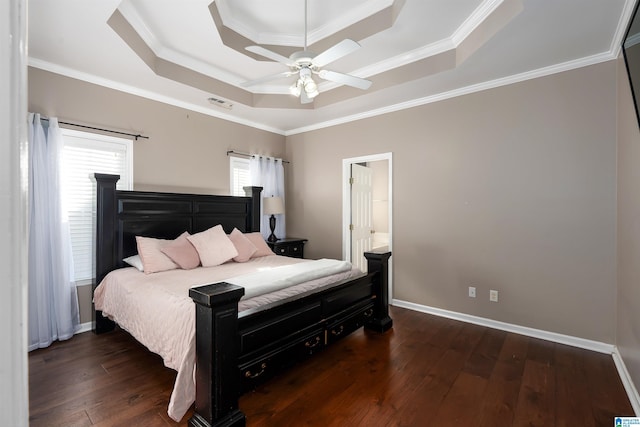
414 51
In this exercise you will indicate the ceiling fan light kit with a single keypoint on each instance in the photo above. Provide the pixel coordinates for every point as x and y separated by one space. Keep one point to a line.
310 88
305 82
296 88
305 64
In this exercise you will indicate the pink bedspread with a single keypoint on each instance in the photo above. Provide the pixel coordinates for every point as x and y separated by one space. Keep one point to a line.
157 310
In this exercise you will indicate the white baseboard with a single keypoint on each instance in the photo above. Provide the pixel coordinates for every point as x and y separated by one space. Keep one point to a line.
85 327
627 382
598 346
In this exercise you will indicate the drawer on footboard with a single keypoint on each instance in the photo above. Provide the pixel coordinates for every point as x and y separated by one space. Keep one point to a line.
265 366
273 329
348 321
347 298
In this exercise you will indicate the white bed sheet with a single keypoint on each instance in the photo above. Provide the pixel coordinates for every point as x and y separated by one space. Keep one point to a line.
157 310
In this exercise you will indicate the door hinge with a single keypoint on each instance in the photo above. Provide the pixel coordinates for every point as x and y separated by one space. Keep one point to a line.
351 227
351 181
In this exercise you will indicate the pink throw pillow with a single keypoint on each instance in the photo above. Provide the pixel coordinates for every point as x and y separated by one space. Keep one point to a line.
182 252
258 241
243 245
214 246
153 260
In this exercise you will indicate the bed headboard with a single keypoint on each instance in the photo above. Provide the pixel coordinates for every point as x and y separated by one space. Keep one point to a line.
122 215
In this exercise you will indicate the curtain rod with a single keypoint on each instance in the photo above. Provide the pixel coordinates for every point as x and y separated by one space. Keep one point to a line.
136 136
249 155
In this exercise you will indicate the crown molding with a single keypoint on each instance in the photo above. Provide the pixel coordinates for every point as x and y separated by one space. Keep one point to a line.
465 30
133 17
478 16
621 29
633 40
557 68
132 90
345 19
348 19
405 58
516 78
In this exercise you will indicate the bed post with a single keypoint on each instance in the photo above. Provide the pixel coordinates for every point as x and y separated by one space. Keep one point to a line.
105 235
378 262
256 202
217 351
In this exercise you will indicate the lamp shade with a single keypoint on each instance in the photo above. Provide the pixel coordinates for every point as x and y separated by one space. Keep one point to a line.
273 205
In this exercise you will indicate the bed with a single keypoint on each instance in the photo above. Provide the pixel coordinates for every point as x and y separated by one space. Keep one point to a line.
236 344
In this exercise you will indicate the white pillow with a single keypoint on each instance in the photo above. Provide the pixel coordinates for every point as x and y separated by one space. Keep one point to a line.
214 246
134 261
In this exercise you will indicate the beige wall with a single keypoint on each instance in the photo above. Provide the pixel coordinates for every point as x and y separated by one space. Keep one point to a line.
186 151
628 295
510 189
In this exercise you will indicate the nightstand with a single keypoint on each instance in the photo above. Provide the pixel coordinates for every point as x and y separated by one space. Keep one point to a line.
289 246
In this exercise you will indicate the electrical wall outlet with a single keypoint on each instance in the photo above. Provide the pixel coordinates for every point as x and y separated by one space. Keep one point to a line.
472 292
493 295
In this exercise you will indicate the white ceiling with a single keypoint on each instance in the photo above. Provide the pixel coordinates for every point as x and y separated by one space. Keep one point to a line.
414 51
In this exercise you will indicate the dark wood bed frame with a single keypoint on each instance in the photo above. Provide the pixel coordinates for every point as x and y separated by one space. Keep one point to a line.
235 351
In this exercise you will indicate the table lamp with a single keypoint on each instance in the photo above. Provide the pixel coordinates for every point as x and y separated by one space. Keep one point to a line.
273 205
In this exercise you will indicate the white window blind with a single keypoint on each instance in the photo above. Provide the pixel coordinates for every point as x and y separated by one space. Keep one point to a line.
83 155
239 175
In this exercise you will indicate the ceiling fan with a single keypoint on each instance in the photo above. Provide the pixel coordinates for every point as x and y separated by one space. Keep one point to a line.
305 64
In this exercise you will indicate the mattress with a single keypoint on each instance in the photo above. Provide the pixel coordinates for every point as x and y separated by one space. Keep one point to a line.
156 310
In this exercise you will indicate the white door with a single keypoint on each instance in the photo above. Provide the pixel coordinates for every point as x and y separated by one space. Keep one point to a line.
361 214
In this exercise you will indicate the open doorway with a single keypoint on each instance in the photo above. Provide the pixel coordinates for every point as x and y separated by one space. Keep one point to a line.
367 208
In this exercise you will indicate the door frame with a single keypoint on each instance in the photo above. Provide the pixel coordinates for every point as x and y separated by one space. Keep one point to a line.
14 387
346 206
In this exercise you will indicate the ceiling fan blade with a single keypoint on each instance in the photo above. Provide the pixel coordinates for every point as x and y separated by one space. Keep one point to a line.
335 52
304 99
270 55
345 79
267 78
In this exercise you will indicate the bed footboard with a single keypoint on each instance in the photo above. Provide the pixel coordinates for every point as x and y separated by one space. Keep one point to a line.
217 388
233 354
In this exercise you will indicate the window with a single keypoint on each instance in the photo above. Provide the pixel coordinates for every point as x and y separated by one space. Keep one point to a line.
239 175
83 155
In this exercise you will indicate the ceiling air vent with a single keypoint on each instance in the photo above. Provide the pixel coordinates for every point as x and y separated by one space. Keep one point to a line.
220 103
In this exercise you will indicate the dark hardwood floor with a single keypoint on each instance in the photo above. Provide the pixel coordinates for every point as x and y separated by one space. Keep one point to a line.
427 371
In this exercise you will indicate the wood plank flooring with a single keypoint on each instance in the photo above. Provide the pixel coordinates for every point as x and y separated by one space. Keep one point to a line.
427 371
